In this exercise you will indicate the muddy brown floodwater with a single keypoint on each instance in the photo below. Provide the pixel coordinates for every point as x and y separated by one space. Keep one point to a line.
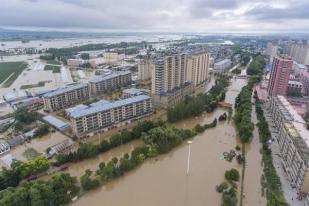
163 181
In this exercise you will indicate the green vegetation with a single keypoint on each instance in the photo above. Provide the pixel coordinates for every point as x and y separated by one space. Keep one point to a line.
200 129
257 66
236 71
229 188
19 170
9 71
30 153
85 56
48 57
89 150
55 69
193 106
158 140
57 191
41 130
22 115
270 181
54 62
232 175
243 104
28 86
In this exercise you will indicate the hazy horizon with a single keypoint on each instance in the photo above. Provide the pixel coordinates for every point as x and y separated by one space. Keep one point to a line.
193 16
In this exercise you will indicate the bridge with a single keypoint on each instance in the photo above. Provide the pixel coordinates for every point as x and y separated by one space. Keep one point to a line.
225 105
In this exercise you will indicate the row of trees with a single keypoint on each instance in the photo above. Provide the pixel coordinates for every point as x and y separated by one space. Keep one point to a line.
19 170
257 66
270 181
88 150
229 196
201 128
243 104
193 106
57 191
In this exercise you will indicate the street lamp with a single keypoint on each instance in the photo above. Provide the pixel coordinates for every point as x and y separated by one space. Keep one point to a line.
189 155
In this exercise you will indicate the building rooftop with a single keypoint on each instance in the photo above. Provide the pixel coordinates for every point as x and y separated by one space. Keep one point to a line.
296 126
99 103
76 108
64 90
109 105
134 91
59 124
15 95
224 61
110 76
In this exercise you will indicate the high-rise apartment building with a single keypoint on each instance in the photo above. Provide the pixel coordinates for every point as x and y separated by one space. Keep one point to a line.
299 52
172 72
197 67
145 68
279 76
271 50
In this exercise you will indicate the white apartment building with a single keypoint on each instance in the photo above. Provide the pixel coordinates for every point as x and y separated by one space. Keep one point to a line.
64 97
105 115
197 67
299 52
221 66
293 141
271 50
172 72
145 68
110 82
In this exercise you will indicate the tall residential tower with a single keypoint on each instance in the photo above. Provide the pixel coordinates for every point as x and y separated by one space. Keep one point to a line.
279 76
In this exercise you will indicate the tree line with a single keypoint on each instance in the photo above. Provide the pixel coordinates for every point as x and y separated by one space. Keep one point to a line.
243 105
21 170
193 106
88 150
271 184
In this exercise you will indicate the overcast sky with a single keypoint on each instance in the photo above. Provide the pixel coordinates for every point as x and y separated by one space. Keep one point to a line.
158 15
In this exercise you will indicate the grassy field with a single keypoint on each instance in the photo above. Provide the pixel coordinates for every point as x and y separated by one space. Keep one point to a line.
53 62
10 71
55 69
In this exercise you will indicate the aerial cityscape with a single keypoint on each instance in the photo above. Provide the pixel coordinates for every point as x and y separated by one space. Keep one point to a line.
154 103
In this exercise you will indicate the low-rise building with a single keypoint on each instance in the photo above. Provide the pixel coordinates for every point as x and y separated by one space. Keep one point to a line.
56 122
110 82
293 141
110 114
221 66
29 103
75 62
64 97
4 147
134 92
166 99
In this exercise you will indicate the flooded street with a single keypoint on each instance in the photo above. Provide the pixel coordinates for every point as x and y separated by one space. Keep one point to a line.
40 144
254 170
163 180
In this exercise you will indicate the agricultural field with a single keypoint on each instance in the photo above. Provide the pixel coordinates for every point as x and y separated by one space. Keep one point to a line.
9 71
55 69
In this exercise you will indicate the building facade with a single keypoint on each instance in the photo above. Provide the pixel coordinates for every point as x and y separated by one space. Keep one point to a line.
294 88
299 52
197 67
279 76
293 141
145 68
110 82
64 97
221 66
271 50
304 79
110 114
